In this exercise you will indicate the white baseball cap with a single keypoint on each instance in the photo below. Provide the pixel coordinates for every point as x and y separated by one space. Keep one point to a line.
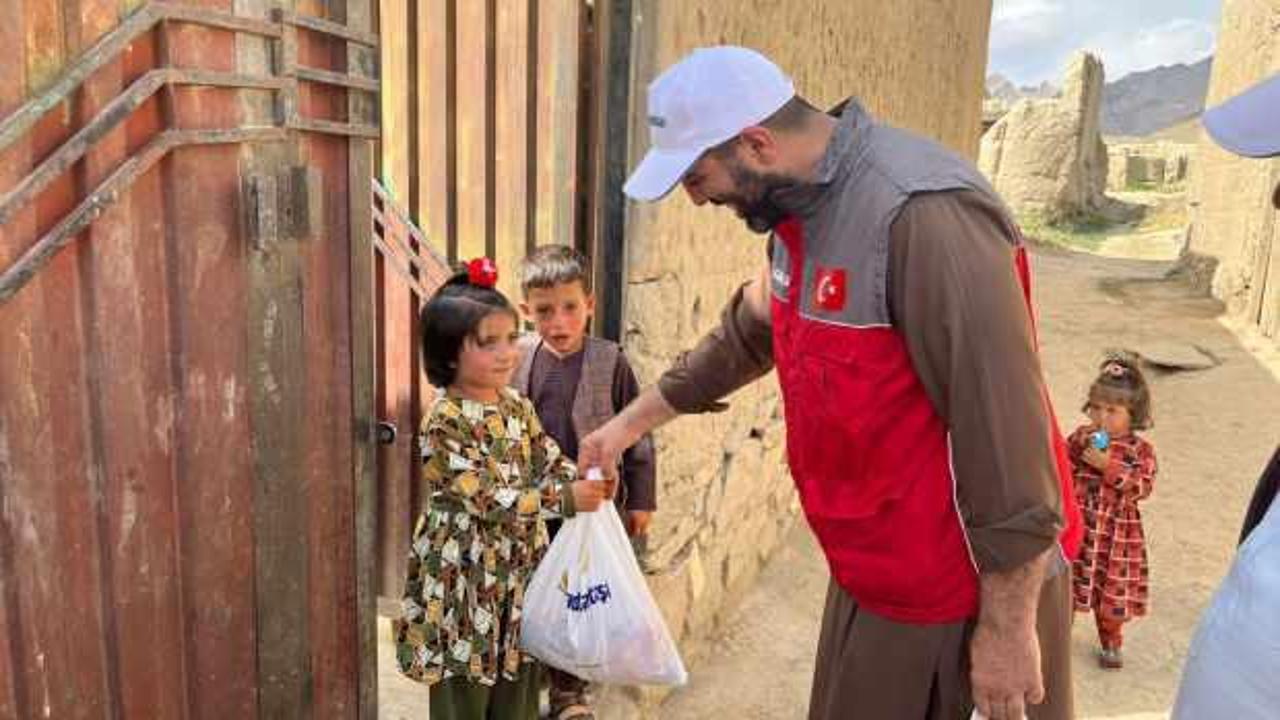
1247 123
705 99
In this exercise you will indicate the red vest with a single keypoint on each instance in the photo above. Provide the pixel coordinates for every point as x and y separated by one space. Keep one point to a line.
871 458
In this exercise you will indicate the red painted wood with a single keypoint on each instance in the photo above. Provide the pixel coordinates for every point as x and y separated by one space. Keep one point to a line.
128 457
207 267
53 525
132 413
328 447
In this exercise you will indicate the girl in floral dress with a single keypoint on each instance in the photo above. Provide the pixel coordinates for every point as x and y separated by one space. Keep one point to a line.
1114 470
492 477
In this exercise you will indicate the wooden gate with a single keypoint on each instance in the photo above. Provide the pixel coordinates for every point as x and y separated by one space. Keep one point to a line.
187 507
482 146
407 270
506 131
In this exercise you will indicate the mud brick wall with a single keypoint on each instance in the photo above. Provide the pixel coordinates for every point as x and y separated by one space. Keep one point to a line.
1233 221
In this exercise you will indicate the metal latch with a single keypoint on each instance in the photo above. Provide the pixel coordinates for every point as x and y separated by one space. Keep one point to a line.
283 206
387 433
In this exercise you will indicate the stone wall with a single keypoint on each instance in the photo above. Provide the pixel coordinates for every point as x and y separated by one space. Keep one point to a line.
1232 218
1047 156
1159 166
725 497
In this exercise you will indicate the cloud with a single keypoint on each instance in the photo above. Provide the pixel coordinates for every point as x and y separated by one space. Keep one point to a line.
1181 40
1032 40
1015 11
1021 23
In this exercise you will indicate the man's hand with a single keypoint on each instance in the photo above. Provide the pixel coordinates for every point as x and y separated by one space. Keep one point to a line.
1004 653
638 522
1005 671
604 447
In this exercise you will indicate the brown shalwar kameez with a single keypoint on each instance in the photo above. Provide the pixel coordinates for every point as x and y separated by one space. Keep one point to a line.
956 300
869 667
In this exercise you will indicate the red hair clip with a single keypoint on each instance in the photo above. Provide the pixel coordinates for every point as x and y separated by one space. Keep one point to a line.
1114 369
483 272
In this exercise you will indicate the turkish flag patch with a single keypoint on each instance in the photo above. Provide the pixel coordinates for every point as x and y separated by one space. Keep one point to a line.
829 289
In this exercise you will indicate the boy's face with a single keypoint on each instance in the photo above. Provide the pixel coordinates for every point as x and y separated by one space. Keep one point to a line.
560 314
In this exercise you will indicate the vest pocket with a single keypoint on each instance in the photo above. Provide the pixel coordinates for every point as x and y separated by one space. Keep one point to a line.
865 559
900 566
846 470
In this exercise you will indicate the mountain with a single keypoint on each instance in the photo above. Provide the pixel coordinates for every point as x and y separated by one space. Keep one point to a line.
1187 131
1002 88
1147 102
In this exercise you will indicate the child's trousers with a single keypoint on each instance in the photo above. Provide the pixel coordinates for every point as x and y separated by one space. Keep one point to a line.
1110 631
461 699
566 685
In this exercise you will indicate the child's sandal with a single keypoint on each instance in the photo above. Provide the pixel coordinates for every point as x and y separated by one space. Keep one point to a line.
574 712
570 705
1110 659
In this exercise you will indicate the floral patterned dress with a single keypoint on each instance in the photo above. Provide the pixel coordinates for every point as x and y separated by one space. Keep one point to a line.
492 477
1110 575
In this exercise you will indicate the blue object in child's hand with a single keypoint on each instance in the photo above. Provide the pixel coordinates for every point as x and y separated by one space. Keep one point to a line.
1101 440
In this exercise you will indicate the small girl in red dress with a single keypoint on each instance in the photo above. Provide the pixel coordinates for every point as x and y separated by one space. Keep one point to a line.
1114 470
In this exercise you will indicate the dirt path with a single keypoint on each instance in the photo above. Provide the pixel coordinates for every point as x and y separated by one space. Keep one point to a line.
1214 431
1157 245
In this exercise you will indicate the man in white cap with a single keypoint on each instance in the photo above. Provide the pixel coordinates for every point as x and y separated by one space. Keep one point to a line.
1234 658
894 304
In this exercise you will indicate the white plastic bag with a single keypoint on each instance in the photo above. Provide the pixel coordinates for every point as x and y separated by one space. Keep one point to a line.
588 611
1234 660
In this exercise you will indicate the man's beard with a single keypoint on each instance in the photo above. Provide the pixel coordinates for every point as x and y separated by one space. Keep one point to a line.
754 199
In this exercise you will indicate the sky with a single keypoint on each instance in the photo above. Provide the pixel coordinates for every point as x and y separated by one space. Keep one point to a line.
1032 40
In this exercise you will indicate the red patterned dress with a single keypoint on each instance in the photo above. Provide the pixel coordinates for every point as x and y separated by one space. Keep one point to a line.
1110 574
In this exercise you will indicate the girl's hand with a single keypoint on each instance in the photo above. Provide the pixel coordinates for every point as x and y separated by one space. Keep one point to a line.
609 480
1099 459
589 495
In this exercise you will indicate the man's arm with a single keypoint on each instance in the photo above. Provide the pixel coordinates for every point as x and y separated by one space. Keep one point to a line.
732 355
955 298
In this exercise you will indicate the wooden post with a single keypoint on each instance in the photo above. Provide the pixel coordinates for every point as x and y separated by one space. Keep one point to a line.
436 207
277 396
557 120
475 113
364 367
611 112
511 152
395 103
